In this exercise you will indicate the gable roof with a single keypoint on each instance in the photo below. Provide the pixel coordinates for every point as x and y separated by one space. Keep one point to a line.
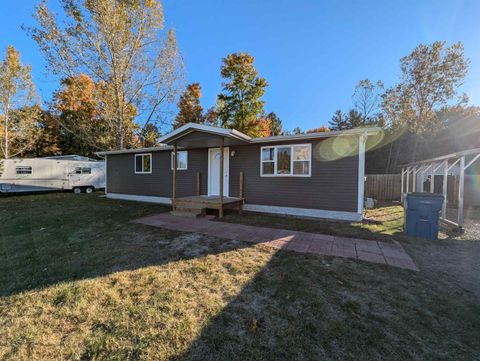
192 127
235 137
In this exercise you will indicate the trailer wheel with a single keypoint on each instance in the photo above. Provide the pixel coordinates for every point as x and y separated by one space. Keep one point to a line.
77 190
89 190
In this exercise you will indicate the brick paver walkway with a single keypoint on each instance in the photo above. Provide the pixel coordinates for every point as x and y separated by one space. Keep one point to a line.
303 242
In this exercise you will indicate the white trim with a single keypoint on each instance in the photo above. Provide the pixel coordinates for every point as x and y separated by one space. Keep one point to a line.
336 133
135 163
178 152
132 197
226 190
361 172
238 135
275 160
304 212
205 128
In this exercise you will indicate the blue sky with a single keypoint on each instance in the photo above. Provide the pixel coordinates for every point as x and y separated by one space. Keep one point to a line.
311 52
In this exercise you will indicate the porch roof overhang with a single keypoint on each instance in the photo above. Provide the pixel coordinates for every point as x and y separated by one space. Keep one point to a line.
199 136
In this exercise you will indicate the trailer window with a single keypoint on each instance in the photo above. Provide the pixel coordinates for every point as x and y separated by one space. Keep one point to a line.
143 163
23 170
80 170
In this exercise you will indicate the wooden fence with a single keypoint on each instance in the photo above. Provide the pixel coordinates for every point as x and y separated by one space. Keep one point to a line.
387 187
383 187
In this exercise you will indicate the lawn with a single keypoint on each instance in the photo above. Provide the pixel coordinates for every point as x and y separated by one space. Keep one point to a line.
78 281
386 224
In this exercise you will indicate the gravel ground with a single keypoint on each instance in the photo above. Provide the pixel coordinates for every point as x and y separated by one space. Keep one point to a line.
454 257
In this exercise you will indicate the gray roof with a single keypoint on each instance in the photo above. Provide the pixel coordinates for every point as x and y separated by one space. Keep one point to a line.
239 136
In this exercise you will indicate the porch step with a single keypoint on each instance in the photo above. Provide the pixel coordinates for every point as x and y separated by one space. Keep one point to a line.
190 212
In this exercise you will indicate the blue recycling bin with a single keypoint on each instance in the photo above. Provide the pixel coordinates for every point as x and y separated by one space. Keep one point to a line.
422 212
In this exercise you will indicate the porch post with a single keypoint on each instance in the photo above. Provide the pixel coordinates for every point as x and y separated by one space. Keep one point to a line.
445 188
461 187
401 185
408 180
220 212
432 179
174 185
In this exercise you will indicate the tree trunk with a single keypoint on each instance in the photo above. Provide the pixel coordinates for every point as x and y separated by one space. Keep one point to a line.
6 150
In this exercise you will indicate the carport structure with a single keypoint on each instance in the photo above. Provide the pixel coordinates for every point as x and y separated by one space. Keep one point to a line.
463 160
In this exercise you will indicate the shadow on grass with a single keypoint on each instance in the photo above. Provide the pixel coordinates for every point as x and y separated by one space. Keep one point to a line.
47 239
294 307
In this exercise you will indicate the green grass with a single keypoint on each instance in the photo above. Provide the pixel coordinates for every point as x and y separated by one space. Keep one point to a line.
78 282
387 225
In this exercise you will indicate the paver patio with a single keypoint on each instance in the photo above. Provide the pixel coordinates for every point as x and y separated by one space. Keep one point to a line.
303 242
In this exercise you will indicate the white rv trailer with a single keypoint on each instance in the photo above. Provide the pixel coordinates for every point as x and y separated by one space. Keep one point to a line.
71 172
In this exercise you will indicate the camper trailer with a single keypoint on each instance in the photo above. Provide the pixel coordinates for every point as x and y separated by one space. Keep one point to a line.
72 172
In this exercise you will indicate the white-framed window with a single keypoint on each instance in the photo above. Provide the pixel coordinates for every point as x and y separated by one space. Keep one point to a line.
143 163
23 170
182 160
292 160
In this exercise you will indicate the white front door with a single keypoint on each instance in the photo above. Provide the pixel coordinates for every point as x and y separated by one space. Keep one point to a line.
214 171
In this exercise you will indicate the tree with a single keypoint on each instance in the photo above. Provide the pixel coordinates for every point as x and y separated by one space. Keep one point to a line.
189 108
322 129
431 75
79 107
120 43
151 136
48 140
430 78
338 121
17 115
367 99
354 119
275 124
297 131
240 105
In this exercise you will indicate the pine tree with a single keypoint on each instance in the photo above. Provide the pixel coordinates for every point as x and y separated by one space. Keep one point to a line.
275 124
338 121
240 105
189 108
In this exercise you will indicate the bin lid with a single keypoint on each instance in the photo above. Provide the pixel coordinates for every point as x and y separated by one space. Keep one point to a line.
424 195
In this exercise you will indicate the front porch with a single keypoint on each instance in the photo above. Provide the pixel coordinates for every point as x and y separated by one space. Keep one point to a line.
195 206
218 142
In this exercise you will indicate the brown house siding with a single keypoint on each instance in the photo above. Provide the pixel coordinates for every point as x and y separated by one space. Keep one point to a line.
333 185
121 177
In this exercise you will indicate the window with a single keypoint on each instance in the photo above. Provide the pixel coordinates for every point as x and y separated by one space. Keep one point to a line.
182 160
23 170
80 170
286 160
143 163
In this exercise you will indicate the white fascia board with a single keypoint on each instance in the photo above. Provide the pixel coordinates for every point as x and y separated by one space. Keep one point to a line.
281 138
305 212
204 128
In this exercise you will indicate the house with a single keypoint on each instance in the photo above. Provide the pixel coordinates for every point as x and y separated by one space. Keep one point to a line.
313 175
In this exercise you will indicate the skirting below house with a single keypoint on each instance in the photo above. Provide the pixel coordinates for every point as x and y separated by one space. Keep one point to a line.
304 212
132 197
291 211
